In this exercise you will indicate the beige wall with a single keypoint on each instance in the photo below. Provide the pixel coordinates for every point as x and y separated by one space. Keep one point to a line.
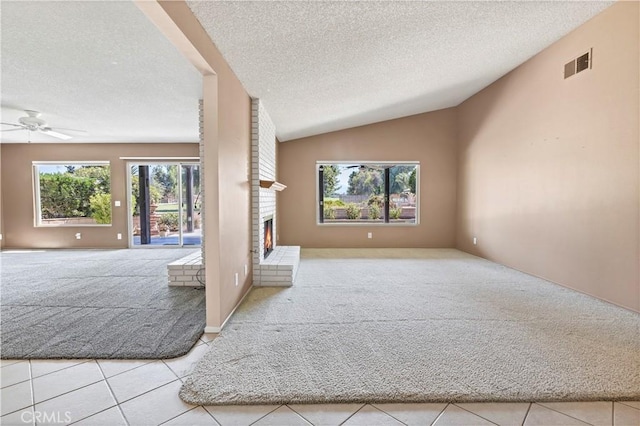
17 192
1 217
548 168
234 116
429 138
227 155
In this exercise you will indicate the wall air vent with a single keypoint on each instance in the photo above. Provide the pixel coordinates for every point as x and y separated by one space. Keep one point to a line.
569 69
581 63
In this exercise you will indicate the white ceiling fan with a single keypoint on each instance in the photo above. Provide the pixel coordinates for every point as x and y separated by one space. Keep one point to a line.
33 123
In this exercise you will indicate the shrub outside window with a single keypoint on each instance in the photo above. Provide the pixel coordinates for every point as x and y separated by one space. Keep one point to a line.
72 193
368 192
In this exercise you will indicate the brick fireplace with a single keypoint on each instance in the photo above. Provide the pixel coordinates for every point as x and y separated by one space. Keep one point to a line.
279 266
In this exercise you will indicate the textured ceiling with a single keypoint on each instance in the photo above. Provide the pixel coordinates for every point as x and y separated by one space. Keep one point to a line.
324 66
103 67
98 66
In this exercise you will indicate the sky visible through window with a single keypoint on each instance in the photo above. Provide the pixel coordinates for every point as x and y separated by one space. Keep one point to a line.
343 178
43 168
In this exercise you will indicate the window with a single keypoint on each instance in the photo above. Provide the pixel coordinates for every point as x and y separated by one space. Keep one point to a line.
368 192
72 194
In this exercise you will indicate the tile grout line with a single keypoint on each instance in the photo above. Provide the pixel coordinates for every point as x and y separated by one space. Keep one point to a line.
146 392
125 371
304 419
475 414
19 409
97 412
625 403
382 411
16 361
568 415
33 394
526 414
291 408
62 369
440 415
309 421
252 423
189 410
82 387
64 393
613 413
113 395
171 369
17 383
353 414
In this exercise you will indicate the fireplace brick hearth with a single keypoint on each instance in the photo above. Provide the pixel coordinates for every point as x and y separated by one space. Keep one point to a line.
280 268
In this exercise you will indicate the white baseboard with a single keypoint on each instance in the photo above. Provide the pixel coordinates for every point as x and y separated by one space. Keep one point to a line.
209 329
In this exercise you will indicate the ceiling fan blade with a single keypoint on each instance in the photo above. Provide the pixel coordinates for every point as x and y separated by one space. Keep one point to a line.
64 129
11 124
11 130
55 134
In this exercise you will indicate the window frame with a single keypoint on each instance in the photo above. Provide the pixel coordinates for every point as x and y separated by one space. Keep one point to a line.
37 213
319 210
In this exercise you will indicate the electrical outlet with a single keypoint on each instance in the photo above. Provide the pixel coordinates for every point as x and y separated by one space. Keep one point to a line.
475 241
119 236
236 279
370 235
78 235
246 270
116 203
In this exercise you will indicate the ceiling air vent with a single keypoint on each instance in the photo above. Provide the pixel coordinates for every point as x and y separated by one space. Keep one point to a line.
581 63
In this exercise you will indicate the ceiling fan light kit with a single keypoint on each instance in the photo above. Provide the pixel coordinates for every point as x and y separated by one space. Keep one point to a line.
33 121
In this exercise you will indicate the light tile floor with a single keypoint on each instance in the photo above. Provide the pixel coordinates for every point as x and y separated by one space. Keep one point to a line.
145 392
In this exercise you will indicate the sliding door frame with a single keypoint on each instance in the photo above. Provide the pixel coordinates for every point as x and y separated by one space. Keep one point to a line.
180 163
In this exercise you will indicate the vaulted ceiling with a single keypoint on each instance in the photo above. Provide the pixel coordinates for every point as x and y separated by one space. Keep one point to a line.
103 67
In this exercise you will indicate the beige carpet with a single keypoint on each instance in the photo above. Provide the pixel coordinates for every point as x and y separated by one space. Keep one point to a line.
418 326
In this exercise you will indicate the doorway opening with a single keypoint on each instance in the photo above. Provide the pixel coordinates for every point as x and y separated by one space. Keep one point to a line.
165 204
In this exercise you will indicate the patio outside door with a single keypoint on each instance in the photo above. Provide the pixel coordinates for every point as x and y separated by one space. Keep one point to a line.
165 202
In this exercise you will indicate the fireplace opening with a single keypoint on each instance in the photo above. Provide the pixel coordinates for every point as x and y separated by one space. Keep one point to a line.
268 237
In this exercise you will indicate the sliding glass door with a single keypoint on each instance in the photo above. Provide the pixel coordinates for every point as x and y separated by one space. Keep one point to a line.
190 219
165 202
